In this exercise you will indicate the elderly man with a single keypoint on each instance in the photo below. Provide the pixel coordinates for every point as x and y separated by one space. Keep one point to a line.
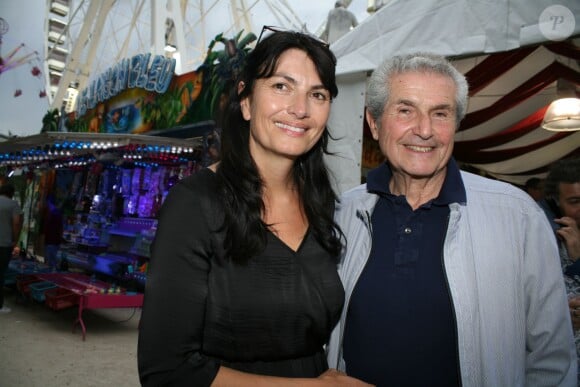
449 277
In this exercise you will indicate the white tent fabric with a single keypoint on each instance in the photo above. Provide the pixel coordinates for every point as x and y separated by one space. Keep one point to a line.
447 27
466 31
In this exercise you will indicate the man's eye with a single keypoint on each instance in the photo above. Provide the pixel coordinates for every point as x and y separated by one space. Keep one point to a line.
443 115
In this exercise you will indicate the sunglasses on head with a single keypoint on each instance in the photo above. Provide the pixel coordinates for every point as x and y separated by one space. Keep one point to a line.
273 29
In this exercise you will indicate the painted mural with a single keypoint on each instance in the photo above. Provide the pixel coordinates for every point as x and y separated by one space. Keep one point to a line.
141 94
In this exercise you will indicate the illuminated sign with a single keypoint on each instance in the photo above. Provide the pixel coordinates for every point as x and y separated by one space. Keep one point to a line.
129 73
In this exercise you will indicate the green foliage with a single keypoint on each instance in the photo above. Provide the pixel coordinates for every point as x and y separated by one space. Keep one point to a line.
78 126
225 65
50 121
162 111
219 71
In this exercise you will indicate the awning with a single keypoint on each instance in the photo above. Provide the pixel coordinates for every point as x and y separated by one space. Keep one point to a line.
66 149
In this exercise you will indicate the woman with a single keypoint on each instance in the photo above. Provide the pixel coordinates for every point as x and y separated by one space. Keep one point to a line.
242 285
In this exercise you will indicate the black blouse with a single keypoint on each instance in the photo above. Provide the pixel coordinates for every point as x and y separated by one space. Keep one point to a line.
271 315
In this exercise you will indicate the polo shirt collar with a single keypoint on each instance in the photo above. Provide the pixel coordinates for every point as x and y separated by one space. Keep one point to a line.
452 191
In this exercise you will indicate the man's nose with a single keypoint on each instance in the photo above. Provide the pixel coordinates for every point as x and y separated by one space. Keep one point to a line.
423 125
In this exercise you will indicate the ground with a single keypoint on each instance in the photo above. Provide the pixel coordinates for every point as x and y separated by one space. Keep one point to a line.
39 348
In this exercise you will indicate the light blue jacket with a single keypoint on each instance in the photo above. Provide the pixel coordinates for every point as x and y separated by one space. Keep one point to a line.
503 270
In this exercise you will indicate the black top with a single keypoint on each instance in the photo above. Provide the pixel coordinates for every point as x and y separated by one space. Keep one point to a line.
270 316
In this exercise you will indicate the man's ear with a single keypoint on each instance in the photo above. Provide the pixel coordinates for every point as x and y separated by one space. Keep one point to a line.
244 103
372 125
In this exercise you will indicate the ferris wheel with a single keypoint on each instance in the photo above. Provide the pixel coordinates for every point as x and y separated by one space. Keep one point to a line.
84 37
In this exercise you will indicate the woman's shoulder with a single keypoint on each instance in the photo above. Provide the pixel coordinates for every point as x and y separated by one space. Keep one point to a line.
199 189
204 180
195 196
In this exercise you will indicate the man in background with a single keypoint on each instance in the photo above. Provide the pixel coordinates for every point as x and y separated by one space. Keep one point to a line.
52 230
339 22
562 206
10 227
535 188
563 199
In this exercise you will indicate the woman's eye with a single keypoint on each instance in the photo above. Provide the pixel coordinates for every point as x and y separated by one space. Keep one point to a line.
280 86
320 96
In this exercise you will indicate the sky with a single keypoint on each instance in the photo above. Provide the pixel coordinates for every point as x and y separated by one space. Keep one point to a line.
22 115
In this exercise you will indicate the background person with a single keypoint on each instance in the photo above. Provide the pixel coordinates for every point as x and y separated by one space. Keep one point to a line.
10 227
449 279
535 188
242 286
52 231
563 192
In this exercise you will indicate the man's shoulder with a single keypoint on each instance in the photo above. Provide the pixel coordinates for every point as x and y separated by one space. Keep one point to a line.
358 196
355 192
7 202
479 186
478 182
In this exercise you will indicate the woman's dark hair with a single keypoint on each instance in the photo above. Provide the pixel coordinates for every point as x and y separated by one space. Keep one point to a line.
241 183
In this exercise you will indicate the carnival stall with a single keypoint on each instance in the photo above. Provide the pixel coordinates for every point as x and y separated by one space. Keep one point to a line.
109 188
134 132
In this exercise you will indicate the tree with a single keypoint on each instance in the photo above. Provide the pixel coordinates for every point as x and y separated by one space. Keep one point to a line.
50 121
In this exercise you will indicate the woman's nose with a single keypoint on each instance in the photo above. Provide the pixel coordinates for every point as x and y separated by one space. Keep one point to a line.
299 106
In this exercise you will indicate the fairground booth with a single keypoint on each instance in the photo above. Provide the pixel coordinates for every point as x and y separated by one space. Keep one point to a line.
108 165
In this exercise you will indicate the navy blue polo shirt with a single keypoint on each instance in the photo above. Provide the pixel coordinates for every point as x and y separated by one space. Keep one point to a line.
400 328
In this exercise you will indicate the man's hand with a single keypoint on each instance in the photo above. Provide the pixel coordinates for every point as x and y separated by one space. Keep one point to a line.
570 234
574 304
